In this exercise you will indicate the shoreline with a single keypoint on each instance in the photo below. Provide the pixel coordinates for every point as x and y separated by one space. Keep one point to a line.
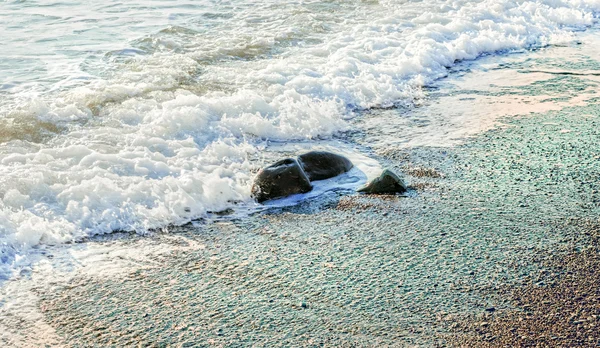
361 270
349 270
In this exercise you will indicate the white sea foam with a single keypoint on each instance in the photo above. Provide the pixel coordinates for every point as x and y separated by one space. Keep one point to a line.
164 121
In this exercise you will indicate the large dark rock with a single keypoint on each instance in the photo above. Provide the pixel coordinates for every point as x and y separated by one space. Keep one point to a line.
320 165
280 179
386 183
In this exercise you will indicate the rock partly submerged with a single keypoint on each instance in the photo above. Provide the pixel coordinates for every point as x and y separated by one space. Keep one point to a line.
281 179
321 165
386 183
290 176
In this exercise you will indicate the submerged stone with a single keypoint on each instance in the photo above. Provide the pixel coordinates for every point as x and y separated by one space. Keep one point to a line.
321 165
280 179
386 183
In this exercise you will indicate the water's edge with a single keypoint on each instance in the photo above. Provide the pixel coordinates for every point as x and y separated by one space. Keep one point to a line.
346 269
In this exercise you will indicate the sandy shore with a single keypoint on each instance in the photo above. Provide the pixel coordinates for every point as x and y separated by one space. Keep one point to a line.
559 307
494 245
557 301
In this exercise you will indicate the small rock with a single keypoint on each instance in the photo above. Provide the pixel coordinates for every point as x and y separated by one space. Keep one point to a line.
321 165
386 183
280 179
491 309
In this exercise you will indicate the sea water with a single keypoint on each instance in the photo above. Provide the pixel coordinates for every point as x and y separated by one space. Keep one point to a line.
135 116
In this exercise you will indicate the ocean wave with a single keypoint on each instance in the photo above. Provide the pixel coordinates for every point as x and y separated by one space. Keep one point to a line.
174 127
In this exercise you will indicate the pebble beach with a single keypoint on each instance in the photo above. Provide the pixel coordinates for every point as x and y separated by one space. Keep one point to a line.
494 244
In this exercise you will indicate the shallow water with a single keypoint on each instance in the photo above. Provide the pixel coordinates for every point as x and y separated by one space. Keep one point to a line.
133 117
122 116
335 270
382 271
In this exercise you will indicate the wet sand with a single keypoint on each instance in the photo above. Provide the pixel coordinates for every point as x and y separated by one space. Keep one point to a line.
495 244
558 307
496 223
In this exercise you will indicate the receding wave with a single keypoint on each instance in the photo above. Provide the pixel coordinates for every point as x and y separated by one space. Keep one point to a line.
174 125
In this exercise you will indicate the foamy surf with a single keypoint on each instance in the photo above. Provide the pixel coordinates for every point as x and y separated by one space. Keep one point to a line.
168 121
